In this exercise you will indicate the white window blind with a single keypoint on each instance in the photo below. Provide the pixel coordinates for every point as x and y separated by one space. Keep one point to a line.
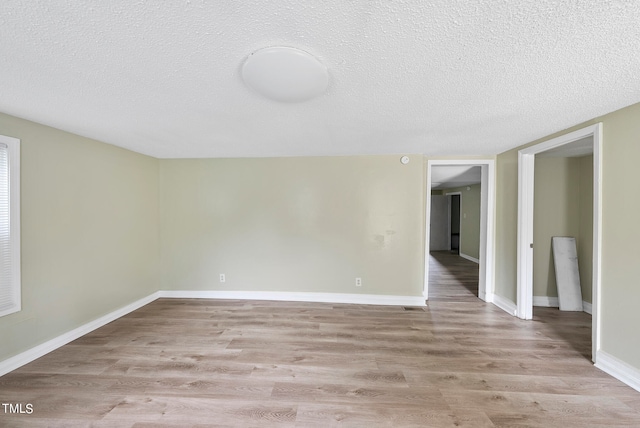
9 226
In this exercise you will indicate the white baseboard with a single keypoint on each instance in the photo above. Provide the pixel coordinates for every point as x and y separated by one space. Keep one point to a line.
618 369
473 259
487 297
51 345
359 299
552 302
545 301
506 305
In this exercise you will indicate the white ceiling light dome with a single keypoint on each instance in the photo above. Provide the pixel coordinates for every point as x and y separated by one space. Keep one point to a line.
285 74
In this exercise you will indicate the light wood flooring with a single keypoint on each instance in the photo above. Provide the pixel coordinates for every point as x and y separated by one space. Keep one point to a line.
457 363
452 278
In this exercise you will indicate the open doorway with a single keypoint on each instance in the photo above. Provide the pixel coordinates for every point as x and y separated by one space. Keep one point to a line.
559 153
484 242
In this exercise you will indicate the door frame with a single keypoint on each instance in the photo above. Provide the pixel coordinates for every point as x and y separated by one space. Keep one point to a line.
526 174
487 224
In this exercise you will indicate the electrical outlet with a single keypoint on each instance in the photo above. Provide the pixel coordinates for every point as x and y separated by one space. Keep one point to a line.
222 278
358 282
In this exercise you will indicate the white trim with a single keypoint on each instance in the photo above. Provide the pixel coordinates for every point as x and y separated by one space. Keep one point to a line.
427 233
546 301
618 369
471 259
552 302
597 241
524 299
358 299
506 305
487 297
13 148
487 225
526 170
51 345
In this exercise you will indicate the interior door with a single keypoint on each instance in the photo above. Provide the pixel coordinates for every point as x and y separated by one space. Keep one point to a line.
438 236
454 225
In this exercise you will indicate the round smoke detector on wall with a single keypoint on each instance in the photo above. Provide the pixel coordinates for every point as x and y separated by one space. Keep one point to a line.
404 160
285 74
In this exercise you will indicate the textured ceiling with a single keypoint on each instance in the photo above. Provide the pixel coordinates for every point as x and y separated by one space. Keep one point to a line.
438 77
449 176
574 149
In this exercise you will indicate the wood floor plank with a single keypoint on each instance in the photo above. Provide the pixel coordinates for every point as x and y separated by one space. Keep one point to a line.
426 396
196 410
326 415
459 362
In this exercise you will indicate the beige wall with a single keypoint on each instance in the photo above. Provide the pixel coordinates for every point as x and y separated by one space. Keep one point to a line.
556 213
293 224
621 235
506 224
469 219
89 232
563 207
620 232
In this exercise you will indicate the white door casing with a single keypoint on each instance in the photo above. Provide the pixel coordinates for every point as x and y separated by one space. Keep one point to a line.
487 224
526 171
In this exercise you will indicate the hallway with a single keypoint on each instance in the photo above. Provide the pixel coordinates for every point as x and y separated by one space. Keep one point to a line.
452 278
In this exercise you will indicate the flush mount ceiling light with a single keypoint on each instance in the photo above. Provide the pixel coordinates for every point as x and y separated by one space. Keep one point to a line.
285 74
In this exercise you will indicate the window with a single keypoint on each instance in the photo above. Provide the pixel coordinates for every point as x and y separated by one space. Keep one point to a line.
9 225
